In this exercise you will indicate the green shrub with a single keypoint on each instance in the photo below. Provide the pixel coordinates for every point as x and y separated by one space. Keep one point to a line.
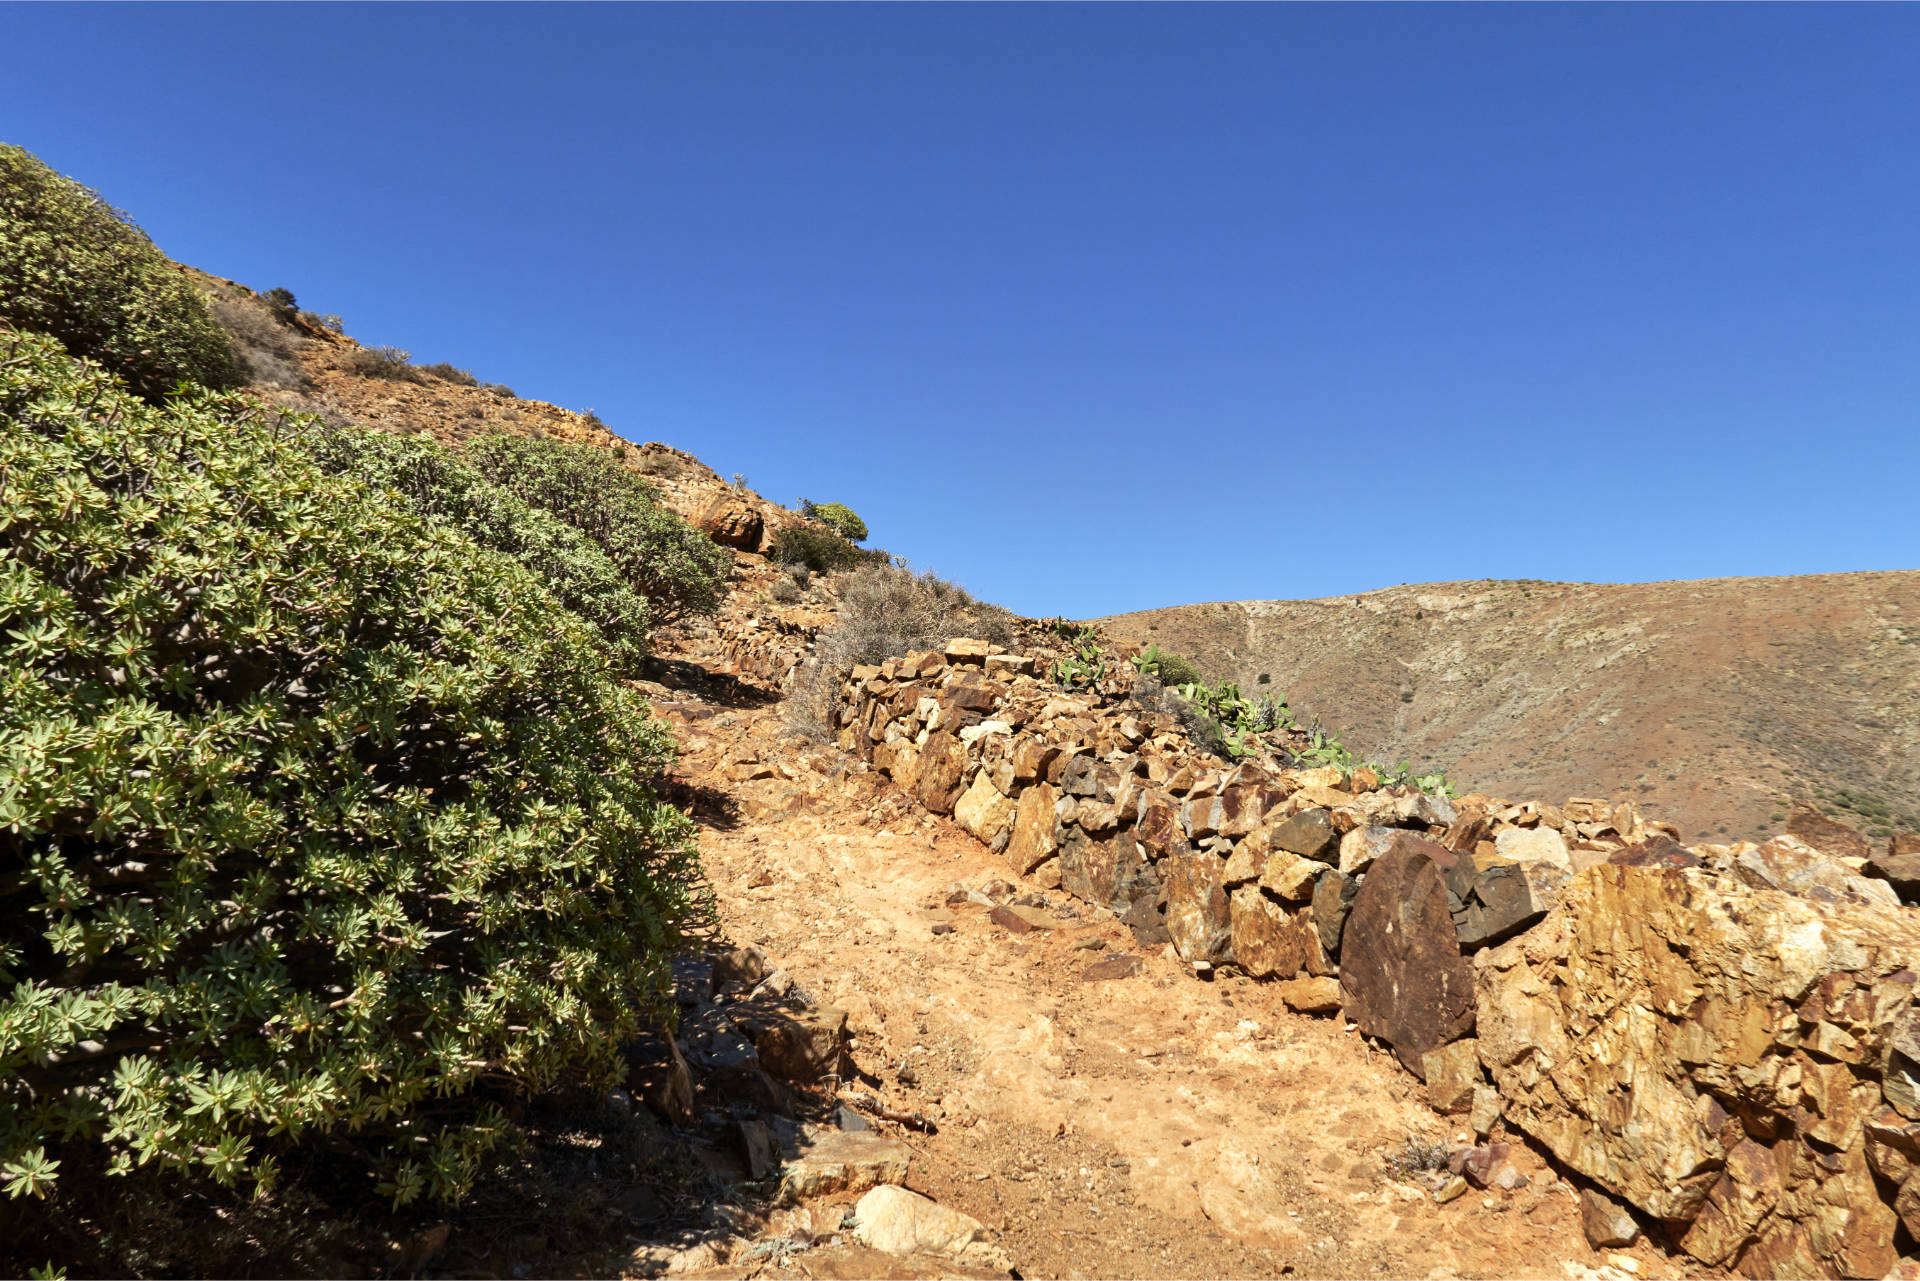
73 266
316 818
822 551
838 515
676 567
441 484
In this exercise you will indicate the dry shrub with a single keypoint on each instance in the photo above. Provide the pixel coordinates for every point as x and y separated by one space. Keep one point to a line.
886 611
263 346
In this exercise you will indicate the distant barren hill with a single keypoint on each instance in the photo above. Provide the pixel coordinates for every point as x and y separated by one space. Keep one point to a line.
1713 703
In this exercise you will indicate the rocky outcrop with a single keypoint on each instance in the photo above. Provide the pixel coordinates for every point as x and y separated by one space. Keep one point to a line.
1722 1056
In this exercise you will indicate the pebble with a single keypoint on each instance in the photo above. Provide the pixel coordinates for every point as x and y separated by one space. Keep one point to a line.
1455 1187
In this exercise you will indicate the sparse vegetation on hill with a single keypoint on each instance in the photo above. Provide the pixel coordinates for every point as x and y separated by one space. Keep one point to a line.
73 266
320 819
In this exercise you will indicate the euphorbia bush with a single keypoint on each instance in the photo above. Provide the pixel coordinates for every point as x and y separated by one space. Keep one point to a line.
73 266
315 816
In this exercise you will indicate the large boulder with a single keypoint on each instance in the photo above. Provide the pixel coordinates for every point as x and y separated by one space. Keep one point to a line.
732 521
1712 1052
1401 970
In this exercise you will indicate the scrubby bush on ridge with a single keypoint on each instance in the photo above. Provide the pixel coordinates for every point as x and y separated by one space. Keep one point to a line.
821 551
316 817
677 568
838 515
74 267
441 484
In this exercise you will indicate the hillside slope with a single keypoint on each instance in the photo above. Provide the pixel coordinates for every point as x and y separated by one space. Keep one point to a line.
1714 702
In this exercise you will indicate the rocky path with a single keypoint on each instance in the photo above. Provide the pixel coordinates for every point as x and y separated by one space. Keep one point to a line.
1102 1112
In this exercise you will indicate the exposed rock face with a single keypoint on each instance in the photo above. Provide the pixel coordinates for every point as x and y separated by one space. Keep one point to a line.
1711 1053
732 521
1400 965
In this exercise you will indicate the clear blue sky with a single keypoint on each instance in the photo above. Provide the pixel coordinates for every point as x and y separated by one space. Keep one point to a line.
1100 308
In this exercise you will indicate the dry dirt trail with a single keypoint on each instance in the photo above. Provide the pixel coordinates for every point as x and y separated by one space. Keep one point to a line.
1144 1125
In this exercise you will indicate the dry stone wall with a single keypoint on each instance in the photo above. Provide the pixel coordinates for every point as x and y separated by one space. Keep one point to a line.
1722 1042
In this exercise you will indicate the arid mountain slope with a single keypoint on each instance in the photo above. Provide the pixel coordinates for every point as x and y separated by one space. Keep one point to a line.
1714 702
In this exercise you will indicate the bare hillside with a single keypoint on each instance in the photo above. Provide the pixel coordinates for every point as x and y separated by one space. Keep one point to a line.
1715 701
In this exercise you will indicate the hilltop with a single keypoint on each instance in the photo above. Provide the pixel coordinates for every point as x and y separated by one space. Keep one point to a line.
1717 704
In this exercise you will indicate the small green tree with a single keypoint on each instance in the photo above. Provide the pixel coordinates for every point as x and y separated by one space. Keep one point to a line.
73 266
839 516
316 818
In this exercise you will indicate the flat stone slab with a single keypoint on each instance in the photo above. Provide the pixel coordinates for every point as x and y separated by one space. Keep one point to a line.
844 1161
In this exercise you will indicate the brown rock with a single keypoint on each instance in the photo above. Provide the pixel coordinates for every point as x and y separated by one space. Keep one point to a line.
1401 971
1333 896
1655 851
1360 847
1265 944
1032 758
985 813
1010 921
1317 995
1036 829
1500 903
1607 1223
1451 1073
803 1045
1159 826
1107 871
1111 967
1827 835
731 521
1902 871
943 762
1290 877
1198 918
1309 834
1903 843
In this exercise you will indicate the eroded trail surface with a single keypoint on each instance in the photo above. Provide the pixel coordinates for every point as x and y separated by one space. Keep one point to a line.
1100 1110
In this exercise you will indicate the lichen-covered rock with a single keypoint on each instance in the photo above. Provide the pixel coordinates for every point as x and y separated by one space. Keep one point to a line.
1712 1053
